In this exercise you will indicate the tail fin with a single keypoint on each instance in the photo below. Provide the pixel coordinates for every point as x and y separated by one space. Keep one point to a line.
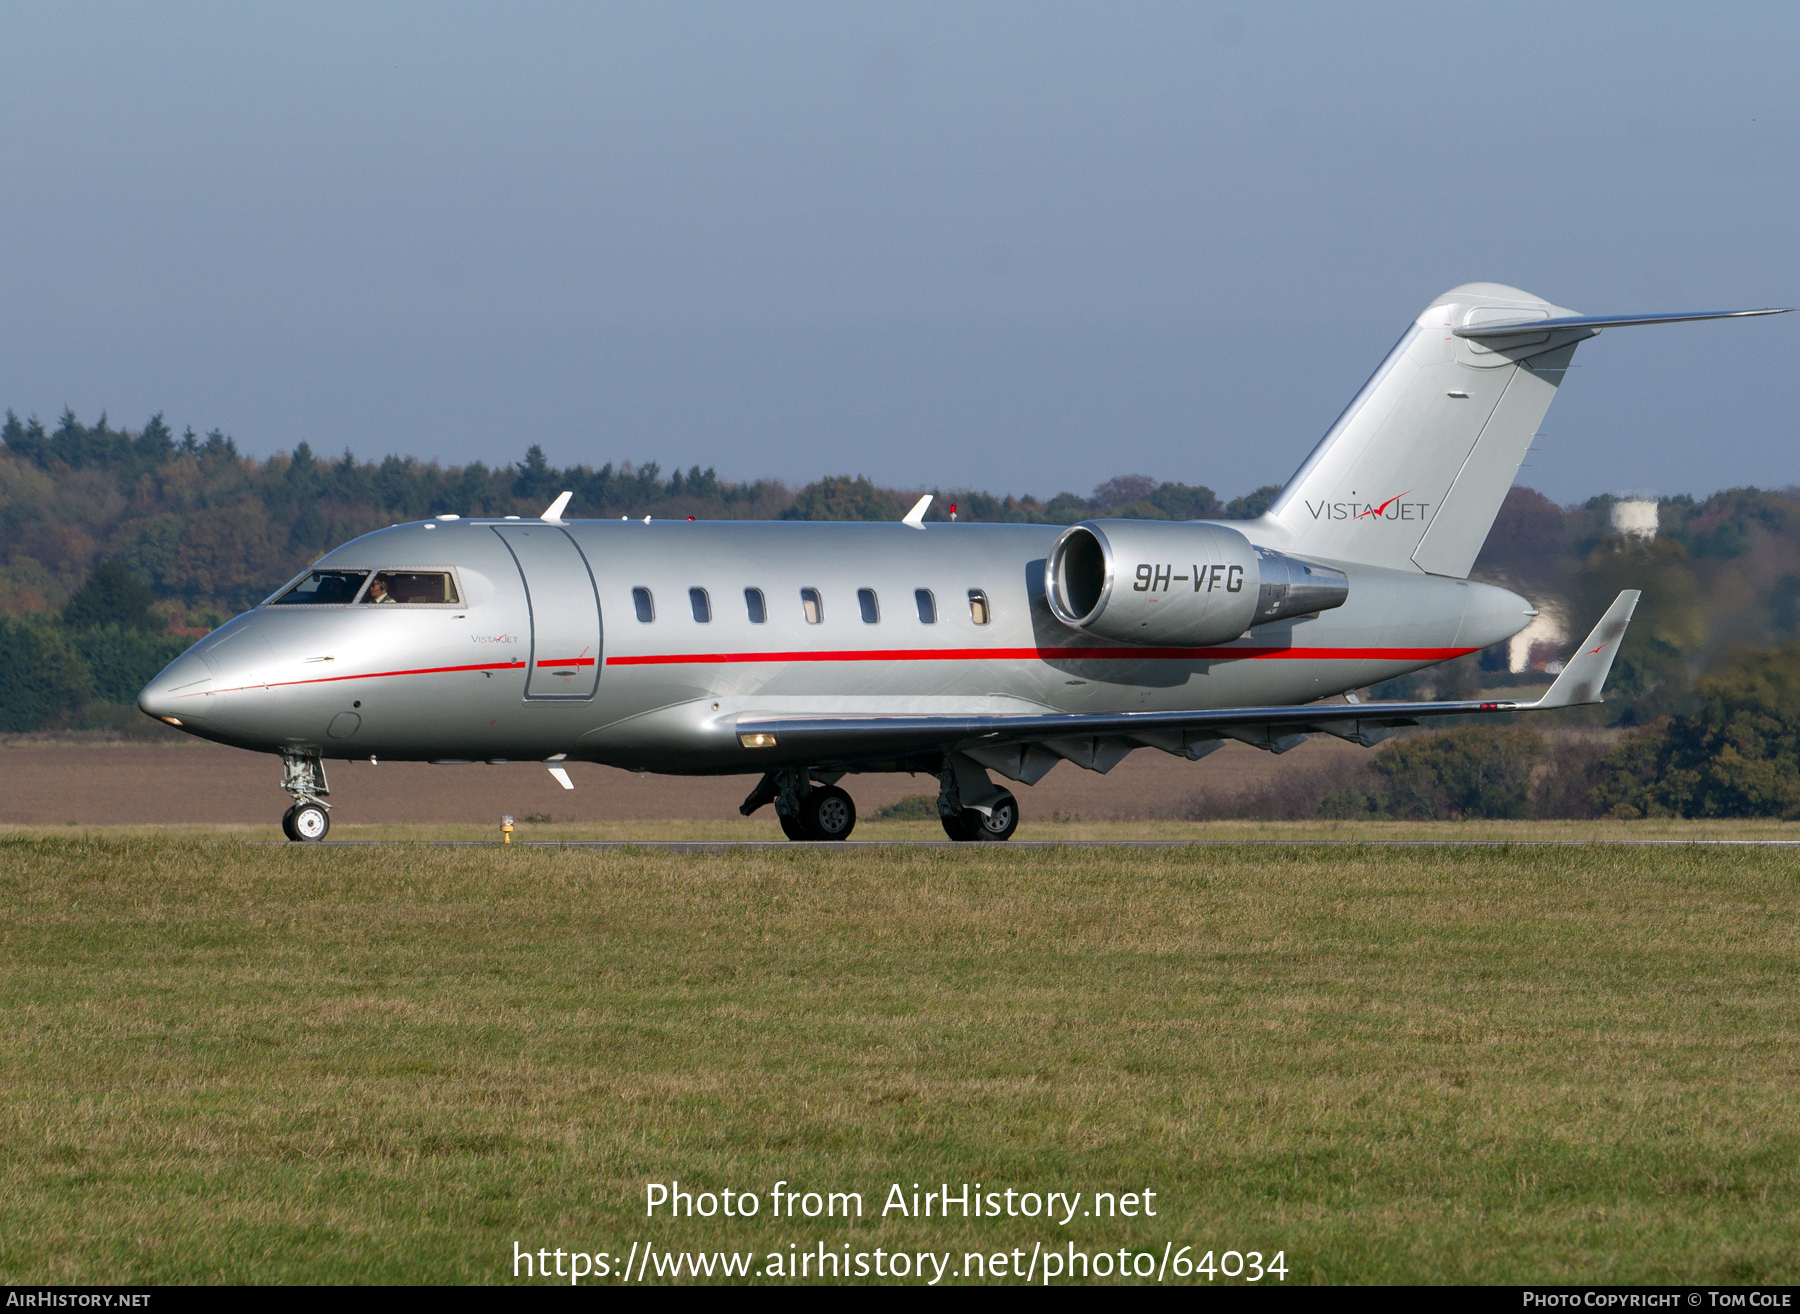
1413 473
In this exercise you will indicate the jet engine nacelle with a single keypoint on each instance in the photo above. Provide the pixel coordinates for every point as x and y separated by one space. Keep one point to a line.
1179 584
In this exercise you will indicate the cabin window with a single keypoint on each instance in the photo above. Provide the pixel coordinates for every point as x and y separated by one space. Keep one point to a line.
418 587
753 603
323 588
813 605
645 604
871 609
927 606
979 611
701 604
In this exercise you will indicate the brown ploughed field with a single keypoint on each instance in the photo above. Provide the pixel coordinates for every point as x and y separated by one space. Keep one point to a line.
196 783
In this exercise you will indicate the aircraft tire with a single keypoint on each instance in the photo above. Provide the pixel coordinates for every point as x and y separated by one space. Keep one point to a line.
791 827
959 827
997 826
311 823
828 813
1001 823
287 823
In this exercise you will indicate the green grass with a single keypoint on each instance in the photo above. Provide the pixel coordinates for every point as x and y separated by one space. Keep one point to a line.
763 827
260 1064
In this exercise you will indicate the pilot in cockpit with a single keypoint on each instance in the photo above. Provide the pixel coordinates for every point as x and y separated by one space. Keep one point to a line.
378 591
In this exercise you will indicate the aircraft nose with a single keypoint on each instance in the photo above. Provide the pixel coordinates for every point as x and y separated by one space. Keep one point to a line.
180 694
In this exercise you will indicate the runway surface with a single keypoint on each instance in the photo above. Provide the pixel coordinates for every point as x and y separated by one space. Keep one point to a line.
840 846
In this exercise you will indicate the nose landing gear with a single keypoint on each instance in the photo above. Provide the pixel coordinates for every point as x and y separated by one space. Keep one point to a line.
303 775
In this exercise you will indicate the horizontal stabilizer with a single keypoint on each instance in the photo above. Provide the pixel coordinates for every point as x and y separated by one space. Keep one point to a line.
1604 321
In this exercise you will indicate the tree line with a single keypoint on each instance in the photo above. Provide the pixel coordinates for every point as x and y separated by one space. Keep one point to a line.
205 531
212 531
1732 751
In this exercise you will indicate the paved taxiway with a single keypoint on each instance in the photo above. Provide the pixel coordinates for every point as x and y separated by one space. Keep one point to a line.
840 846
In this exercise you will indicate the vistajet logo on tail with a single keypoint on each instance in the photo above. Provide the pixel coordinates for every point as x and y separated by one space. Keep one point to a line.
1395 508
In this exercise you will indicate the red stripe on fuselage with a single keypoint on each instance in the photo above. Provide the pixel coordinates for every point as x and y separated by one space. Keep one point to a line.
1047 654
917 655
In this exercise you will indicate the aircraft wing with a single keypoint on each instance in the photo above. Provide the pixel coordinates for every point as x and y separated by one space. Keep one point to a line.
1099 739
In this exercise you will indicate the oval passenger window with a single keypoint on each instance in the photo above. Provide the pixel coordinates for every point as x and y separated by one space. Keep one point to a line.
646 607
753 603
813 605
871 609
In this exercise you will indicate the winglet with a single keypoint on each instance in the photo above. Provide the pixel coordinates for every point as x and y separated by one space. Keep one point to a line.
553 512
1587 670
916 516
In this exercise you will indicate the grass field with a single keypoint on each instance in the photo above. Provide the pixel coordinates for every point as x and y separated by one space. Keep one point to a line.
261 1063
764 828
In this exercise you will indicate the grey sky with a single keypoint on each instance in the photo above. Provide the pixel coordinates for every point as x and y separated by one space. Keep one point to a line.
1019 246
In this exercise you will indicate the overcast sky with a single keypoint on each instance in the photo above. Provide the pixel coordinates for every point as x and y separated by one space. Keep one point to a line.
1016 246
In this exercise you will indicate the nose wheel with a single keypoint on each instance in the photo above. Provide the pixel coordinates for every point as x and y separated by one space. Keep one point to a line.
306 823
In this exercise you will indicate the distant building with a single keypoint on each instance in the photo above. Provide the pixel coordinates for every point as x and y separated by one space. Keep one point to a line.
1634 518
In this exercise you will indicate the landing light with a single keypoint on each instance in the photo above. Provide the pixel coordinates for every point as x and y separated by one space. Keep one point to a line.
759 739
169 720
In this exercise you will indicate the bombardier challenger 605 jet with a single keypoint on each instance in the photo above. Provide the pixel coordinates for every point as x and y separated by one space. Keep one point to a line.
805 653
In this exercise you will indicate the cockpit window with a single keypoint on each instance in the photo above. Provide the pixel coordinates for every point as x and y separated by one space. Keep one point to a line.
411 586
323 588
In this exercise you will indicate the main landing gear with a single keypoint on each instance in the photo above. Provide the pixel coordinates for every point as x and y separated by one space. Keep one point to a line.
997 823
303 775
807 809
810 806
971 806
826 813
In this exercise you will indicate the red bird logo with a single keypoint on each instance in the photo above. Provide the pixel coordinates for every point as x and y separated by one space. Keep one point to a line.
1377 510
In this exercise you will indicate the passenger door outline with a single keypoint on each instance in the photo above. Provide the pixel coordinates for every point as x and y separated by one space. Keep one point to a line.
556 599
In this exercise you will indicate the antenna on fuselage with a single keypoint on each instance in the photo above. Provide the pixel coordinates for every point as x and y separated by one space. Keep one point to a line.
553 513
916 516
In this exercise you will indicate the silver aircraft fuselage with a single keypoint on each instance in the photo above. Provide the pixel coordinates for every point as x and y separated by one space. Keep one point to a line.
545 654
